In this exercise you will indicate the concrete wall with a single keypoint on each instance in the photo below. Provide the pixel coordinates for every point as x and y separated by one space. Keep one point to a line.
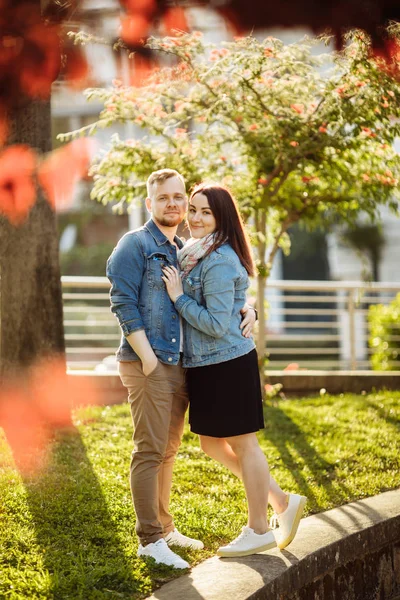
348 553
372 576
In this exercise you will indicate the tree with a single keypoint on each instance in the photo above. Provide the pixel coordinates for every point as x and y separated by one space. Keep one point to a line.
30 301
296 136
33 51
31 323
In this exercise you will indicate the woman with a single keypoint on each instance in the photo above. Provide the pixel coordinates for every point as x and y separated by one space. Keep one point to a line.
223 382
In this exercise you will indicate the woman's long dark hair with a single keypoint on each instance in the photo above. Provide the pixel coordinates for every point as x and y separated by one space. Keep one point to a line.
230 226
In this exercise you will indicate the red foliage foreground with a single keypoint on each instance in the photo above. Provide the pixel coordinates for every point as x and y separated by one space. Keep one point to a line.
32 52
17 189
62 169
30 412
337 16
58 173
33 47
373 16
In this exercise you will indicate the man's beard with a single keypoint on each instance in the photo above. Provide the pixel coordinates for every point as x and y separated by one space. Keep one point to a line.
170 220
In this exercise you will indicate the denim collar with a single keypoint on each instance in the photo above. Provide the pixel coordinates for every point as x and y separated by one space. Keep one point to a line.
158 235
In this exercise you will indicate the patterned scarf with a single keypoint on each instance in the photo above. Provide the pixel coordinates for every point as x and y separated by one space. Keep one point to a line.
193 251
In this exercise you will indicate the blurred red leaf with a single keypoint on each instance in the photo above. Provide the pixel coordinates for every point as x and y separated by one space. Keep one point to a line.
62 169
55 393
41 65
10 48
389 58
17 189
4 128
134 28
141 69
37 405
292 367
24 429
175 18
30 52
146 7
77 69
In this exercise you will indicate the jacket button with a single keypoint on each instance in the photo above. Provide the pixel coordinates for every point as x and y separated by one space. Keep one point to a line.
173 339
169 359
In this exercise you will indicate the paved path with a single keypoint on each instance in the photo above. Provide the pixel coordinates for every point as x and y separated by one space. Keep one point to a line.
322 541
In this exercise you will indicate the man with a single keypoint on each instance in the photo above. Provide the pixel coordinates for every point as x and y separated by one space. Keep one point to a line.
150 362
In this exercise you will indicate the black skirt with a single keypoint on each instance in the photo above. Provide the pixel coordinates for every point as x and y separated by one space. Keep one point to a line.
225 398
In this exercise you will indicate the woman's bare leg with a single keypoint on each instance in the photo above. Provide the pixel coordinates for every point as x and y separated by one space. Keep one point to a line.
221 451
255 477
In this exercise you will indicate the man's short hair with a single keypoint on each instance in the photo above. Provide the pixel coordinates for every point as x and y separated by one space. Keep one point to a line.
157 177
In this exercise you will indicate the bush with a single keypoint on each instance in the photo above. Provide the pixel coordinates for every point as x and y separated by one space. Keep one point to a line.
86 260
384 337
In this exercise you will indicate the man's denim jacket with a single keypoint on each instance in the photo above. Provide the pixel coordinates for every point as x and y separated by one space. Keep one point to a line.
138 295
214 293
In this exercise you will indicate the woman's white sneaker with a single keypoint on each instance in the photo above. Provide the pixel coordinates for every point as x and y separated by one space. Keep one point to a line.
248 542
176 538
289 520
162 554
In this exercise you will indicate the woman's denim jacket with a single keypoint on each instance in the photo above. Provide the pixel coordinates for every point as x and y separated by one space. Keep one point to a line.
138 295
214 293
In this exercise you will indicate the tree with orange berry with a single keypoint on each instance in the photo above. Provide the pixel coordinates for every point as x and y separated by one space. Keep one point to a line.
298 136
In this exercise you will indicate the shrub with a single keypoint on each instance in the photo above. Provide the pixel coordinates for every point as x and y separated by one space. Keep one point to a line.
86 260
384 336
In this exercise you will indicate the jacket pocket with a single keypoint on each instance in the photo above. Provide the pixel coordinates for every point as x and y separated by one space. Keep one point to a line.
192 287
155 264
197 343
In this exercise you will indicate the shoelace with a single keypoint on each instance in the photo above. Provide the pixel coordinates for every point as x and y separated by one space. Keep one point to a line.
240 537
164 551
273 523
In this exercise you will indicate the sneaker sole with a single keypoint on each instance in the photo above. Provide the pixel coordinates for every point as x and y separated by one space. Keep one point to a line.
157 562
146 557
283 543
229 554
175 545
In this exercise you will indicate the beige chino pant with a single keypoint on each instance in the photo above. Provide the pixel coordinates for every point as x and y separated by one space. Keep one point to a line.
158 405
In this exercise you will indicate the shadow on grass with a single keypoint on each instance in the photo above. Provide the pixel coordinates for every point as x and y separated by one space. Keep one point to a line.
289 440
384 413
82 551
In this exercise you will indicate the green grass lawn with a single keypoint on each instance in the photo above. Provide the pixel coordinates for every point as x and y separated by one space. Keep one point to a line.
69 533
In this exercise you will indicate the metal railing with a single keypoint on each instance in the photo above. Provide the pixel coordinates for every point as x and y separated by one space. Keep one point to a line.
317 324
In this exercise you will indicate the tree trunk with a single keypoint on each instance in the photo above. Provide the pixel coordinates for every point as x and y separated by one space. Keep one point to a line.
31 317
264 270
375 266
261 338
260 223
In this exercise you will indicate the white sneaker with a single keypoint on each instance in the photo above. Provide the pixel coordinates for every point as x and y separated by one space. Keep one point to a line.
289 520
175 538
248 542
162 554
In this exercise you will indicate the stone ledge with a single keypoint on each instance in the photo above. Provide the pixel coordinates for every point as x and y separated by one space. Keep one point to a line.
300 383
107 386
335 382
360 542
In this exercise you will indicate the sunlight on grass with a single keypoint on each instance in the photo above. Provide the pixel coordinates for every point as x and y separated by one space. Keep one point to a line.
69 532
